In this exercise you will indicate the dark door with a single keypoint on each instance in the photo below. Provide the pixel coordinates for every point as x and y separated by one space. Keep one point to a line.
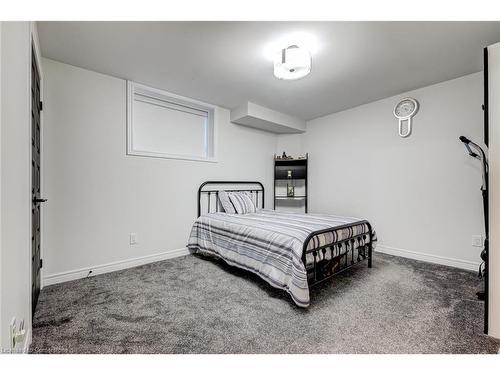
36 262
485 253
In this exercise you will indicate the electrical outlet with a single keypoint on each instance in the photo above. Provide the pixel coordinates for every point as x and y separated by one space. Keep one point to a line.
133 238
477 241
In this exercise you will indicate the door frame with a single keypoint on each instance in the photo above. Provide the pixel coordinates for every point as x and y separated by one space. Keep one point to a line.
35 46
494 194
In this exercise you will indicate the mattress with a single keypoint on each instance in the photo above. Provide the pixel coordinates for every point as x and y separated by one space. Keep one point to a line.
270 243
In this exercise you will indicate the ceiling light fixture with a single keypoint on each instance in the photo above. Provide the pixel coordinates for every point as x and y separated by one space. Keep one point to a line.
292 62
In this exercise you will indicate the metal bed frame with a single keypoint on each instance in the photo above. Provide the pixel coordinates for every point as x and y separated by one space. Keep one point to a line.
341 254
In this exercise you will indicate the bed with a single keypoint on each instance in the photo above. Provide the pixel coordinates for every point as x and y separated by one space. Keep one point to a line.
290 251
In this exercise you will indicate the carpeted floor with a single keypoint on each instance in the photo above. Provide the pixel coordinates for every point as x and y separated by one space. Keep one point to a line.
194 305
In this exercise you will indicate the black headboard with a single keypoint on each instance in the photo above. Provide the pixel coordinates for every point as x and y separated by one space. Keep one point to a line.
210 191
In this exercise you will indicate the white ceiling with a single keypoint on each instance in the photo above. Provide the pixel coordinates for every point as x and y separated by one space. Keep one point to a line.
223 63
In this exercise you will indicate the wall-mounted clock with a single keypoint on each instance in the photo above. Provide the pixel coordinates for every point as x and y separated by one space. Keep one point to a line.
404 111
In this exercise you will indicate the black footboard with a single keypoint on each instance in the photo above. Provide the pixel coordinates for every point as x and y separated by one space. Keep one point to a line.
324 262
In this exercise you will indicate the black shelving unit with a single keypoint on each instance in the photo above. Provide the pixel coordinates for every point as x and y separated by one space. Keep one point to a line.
291 170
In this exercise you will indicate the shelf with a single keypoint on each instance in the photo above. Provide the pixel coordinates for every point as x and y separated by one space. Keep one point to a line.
287 162
297 170
290 160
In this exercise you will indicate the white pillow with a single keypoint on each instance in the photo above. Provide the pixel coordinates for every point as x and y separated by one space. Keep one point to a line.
242 202
226 202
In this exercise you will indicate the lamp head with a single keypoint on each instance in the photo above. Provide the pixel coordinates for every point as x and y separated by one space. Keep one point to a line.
464 139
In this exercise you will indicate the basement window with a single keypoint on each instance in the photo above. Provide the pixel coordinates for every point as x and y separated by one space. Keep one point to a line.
165 125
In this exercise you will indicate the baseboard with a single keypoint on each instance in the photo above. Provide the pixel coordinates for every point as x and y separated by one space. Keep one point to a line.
110 267
452 262
134 262
495 335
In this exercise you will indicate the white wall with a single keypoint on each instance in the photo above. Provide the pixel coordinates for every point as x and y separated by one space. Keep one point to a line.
422 192
1 104
15 177
97 194
494 189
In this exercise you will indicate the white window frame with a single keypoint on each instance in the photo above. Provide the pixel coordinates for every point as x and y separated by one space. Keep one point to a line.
162 95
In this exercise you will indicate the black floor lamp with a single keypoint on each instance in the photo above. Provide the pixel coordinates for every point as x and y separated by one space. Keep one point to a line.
477 152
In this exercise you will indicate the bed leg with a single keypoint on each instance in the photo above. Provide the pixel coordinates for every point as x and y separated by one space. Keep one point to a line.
370 245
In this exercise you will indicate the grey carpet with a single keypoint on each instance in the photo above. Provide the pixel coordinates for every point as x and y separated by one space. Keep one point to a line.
195 305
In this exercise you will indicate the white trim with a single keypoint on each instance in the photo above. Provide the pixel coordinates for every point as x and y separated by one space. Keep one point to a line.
452 262
169 156
495 335
1 204
113 266
211 148
27 341
32 44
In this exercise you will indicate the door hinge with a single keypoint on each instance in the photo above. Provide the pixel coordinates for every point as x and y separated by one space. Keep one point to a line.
41 263
41 106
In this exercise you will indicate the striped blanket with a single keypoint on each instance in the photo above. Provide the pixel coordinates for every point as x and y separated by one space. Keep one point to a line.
269 243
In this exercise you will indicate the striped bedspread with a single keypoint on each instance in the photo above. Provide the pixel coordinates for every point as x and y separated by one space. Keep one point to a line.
269 243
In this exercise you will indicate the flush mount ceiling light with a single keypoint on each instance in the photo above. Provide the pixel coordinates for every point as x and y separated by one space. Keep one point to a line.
292 62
